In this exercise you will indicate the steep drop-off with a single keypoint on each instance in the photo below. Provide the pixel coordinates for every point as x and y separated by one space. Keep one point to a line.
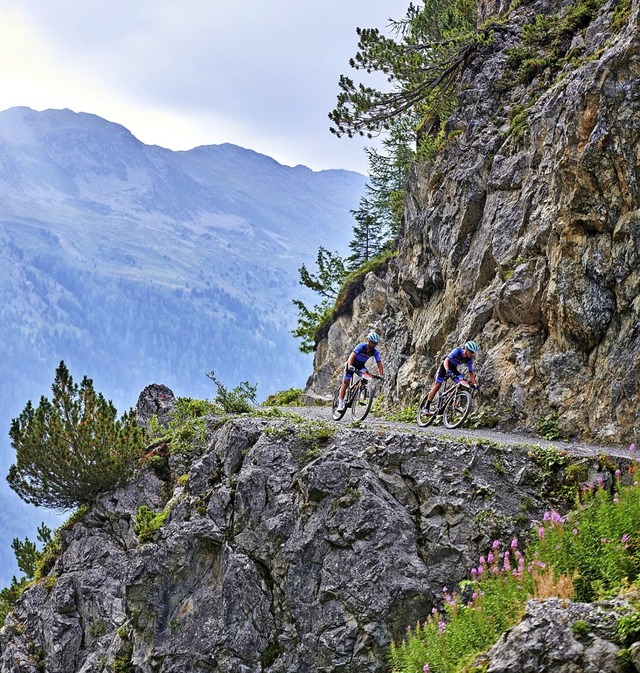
284 547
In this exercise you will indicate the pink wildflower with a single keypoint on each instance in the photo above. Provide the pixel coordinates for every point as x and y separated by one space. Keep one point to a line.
496 544
541 532
632 448
442 626
426 669
490 557
514 543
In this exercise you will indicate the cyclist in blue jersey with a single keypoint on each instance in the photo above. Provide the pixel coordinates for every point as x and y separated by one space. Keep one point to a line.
463 355
357 361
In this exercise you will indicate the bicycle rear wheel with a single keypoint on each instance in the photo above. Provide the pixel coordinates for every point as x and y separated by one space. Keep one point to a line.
362 403
337 414
457 410
422 418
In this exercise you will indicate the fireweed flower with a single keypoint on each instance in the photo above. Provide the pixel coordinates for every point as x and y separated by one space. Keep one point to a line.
632 448
514 543
490 557
541 532
624 539
496 544
426 669
441 626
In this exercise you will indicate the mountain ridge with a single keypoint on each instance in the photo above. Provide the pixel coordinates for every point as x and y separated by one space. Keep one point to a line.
135 263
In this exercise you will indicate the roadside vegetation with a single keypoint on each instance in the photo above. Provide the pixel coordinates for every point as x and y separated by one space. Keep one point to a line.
591 553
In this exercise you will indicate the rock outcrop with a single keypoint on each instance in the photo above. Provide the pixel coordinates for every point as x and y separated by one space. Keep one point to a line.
286 546
524 232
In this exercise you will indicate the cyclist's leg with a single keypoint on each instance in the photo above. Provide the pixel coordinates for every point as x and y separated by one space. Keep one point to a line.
440 376
345 383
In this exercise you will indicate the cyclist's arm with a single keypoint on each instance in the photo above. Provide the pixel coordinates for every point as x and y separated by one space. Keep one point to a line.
352 359
472 378
380 368
447 365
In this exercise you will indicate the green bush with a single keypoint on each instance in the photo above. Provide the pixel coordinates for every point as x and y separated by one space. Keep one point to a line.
148 522
285 398
70 449
240 400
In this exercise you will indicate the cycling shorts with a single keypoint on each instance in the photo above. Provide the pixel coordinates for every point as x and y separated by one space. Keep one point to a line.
442 374
349 375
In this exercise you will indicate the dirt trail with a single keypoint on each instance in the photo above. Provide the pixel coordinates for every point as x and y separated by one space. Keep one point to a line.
507 438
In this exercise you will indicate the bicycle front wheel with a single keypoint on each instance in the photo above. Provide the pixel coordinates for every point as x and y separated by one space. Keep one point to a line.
457 410
337 414
423 418
362 403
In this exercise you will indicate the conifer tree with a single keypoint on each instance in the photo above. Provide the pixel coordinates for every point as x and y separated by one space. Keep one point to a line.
369 235
326 283
72 448
421 64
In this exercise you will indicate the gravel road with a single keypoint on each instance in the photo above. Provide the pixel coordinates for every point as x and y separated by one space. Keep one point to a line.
507 438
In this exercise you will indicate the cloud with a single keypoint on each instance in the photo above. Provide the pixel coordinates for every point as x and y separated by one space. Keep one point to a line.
259 74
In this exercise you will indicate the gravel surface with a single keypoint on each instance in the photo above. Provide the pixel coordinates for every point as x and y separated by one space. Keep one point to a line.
507 438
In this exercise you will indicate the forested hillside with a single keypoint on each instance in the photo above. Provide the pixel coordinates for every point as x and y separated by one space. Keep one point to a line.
135 264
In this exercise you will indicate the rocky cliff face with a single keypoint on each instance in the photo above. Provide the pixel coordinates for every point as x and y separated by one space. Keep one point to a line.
285 547
524 232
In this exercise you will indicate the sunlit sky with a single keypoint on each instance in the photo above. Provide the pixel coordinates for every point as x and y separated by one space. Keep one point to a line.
257 73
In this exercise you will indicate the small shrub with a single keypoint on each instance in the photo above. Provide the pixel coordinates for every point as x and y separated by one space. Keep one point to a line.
148 522
285 398
628 629
240 400
580 628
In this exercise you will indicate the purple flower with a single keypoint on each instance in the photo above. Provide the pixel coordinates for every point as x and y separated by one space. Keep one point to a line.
474 572
541 532
514 543
426 668
632 448
547 516
442 626
496 544
490 557
624 539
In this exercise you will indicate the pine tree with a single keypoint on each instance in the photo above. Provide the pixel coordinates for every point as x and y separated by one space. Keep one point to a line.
326 283
72 448
422 63
369 235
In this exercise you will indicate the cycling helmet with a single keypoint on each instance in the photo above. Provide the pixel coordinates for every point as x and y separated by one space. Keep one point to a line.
372 336
471 346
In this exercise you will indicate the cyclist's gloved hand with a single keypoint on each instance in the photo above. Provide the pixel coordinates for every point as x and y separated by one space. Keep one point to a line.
450 373
475 386
351 369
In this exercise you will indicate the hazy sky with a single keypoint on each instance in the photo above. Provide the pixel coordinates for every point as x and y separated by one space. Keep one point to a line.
262 74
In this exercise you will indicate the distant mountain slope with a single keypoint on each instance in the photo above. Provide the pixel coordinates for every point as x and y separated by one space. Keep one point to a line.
136 264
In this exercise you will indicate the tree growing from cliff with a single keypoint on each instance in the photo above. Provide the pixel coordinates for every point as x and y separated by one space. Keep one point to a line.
326 282
421 63
381 208
72 448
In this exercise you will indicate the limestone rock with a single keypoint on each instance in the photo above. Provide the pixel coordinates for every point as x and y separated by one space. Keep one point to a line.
276 555
524 235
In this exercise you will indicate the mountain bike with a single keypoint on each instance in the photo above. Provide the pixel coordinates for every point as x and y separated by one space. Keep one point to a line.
359 397
452 403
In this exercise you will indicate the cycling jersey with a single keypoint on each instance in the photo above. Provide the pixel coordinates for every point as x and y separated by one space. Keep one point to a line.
456 359
363 353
